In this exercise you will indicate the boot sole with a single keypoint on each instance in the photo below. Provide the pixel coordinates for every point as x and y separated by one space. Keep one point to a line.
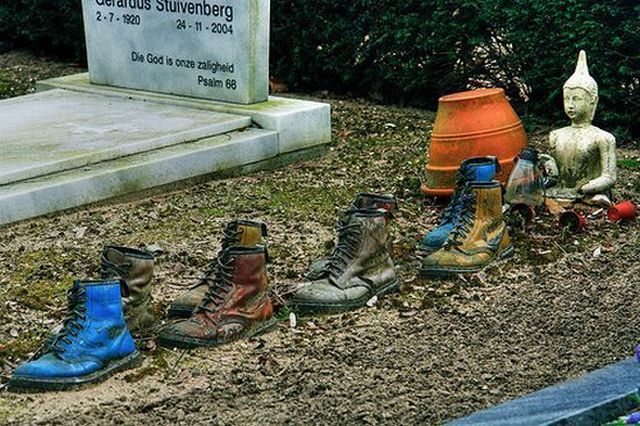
184 342
447 272
36 384
305 308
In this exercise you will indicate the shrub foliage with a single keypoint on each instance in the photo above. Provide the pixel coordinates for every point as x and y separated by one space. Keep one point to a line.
413 51
53 27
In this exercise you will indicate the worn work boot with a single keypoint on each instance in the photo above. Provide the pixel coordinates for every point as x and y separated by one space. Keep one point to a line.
478 237
359 268
239 233
474 169
236 304
135 267
93 343
363 200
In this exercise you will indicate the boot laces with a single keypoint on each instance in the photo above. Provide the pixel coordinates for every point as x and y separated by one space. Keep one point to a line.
453 208
219 283
465 218
348 243
76 312
229 238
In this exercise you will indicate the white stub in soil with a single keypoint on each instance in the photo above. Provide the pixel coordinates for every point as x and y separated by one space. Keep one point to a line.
372 301
293 321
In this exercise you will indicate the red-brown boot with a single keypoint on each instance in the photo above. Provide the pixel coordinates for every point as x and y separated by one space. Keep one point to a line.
239 233
236 305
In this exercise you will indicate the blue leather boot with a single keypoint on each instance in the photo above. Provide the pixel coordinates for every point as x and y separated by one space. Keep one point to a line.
480 169
94 342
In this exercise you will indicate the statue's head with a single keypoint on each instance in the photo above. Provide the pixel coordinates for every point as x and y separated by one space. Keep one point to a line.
580 93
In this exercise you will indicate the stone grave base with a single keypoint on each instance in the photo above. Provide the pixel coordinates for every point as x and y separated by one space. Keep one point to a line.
75 143
593 399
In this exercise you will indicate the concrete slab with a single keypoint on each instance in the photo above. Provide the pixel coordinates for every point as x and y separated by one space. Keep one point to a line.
60 130
593 399
73 188
300 124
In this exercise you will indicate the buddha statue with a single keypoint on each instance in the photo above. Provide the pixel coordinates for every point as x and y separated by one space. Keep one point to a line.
583 157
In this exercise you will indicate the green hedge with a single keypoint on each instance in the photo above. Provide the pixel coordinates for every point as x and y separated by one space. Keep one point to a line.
543 39
52 27
411 52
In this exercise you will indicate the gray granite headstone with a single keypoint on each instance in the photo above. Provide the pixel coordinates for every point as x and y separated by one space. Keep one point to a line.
593 399
212 49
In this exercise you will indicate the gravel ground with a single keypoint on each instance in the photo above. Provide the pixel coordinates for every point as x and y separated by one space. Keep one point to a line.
564 305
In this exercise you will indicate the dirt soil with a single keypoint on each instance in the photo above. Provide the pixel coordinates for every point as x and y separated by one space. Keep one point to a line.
564 305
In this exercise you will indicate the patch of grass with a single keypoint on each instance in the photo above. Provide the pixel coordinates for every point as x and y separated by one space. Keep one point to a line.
295 200
39 283
41 280
629 164
213 211
16 349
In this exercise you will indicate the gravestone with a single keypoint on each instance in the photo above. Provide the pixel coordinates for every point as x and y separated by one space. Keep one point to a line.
213 49
176 90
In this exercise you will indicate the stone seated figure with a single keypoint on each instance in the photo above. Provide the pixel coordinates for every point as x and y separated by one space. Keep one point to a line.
583 157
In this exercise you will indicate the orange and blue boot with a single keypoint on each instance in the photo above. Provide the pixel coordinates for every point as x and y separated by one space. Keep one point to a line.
474 169
478 237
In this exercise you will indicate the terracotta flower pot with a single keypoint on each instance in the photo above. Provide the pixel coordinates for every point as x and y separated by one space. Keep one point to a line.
625 210
471 124
572 220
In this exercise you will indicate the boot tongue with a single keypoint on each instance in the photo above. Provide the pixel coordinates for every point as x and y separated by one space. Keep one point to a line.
114 263
365 200
113 255
243 233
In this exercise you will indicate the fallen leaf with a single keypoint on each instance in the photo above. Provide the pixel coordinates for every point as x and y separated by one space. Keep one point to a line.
597 252
80 232
554 207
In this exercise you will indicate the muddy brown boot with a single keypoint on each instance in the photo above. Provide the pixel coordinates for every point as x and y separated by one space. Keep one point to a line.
479 236
240 233
363 200
236 304
135 267
359 268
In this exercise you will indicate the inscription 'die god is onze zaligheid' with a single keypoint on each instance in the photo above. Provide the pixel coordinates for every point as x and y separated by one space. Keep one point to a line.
212 49
583 157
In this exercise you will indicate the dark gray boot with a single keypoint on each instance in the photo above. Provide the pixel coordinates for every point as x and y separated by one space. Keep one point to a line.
363 200
359 268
